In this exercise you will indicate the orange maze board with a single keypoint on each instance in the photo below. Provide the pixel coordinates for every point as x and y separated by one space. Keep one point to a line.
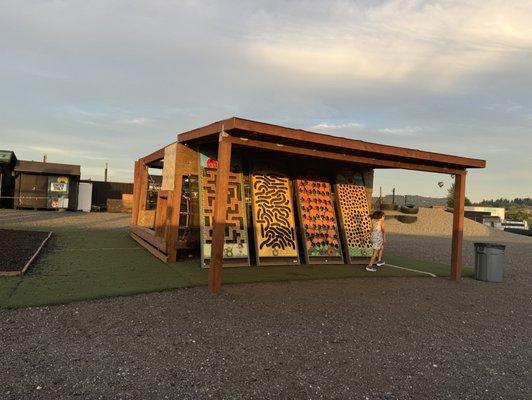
318 222
355 222
236 250
273 212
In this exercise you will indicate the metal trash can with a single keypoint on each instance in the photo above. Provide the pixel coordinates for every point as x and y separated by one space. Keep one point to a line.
489 262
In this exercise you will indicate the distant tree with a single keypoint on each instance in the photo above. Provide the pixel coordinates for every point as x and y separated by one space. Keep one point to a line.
450 198
507 203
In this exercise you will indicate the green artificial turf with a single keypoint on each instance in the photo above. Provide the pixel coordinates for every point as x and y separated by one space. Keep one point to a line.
88 264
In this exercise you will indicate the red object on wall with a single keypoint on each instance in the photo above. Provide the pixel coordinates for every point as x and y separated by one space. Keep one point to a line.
212 163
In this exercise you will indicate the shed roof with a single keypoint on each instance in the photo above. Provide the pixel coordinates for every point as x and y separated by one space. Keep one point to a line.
6 156
281 135
37 167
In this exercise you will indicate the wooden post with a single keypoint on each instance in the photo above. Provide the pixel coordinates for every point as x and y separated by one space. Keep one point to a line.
458 226
143 185
172 218
136 195
220 211
161 212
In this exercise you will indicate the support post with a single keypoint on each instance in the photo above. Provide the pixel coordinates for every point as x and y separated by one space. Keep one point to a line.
219 213
136 195
173 211
458 226
143 191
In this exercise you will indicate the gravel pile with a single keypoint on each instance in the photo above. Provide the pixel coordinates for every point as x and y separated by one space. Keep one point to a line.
434 222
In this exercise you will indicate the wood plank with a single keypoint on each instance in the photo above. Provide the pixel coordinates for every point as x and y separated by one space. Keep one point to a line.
160 213
149 236
187 161
212 129
373 162
35 254
136 194
143 186
220 210
147 219
161 256
458 227
171 222
155 156
169 167
329 140
10 273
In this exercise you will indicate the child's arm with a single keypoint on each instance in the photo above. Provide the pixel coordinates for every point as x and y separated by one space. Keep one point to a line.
383 232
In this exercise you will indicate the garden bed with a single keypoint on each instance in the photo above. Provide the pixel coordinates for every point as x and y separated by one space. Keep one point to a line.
18 249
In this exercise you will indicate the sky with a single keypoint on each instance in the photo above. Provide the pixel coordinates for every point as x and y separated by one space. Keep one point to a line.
89 82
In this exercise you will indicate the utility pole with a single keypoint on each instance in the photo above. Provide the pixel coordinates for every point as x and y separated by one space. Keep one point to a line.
105 174
44 158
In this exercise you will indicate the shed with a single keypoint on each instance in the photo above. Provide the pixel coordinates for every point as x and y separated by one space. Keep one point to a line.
7 181
290 196
44 185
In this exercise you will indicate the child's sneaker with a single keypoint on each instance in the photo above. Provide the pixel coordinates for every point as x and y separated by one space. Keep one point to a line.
380 263
371 269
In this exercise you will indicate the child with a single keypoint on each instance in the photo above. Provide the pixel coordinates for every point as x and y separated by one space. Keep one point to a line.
378 238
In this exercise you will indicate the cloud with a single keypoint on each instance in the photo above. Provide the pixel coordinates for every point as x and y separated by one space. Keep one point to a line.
438 44
406 131
333 126
138 121
447 76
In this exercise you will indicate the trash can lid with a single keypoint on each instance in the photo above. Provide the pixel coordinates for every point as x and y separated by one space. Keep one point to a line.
491 245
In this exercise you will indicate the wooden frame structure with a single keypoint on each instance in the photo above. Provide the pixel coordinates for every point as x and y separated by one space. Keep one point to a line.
156 230
237 133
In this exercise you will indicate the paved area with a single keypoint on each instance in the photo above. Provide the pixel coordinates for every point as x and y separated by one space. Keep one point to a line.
365 338
55 219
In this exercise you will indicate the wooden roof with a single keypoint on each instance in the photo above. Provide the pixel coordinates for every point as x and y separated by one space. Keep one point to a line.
328 144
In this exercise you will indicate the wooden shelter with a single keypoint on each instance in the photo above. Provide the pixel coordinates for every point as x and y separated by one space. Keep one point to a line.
308 195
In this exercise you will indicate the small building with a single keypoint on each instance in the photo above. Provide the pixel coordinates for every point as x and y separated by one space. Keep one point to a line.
248 193
515 224
492 222
477 211
44 185
7 180
103 191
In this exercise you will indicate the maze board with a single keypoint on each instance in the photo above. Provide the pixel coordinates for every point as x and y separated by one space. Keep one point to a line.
354 219
236 241
275 233
318 222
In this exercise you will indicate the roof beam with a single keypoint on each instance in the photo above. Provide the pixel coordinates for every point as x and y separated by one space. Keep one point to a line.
373 162
155 156
328 140
353 144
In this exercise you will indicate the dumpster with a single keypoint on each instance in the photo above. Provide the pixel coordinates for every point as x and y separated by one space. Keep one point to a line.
489 262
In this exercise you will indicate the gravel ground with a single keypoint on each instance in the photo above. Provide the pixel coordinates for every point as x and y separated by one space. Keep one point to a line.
17 248
55 219
394 338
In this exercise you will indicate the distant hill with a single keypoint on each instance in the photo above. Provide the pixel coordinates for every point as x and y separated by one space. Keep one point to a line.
419 201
